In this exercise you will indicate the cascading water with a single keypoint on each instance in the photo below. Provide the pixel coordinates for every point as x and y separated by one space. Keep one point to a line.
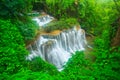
42 20
57 49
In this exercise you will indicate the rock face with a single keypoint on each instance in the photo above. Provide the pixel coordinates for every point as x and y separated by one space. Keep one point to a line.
57 49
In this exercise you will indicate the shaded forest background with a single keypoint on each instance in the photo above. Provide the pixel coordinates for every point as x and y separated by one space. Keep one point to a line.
99 18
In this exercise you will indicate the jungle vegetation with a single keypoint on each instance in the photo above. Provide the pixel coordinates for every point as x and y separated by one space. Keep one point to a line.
100 18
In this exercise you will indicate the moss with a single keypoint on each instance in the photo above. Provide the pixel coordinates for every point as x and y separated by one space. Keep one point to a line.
61 24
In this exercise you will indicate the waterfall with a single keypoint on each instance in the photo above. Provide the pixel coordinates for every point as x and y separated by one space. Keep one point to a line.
57 49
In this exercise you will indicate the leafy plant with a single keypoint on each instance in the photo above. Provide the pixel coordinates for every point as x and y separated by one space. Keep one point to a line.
27 29
30 75
12 50
38 64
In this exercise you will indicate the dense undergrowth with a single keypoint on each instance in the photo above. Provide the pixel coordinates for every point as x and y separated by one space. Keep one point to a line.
97 17
12 48
78 68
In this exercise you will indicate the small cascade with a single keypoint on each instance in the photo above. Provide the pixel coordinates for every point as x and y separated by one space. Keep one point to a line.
42 20
57 49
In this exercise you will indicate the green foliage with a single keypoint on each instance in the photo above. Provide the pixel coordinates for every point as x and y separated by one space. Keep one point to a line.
37 70
105 67
14 8
27 29
4 76
29 75
117 3
78 68
59 8
103 41
17 12
38 64
61 25
12 50
96 16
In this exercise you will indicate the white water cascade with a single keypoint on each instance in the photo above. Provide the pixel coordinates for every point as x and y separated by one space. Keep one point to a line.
42 20
57 49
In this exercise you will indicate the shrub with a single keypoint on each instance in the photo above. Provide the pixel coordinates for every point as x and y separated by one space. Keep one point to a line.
105 67
12 50
37 64
27 29
61 25
77 68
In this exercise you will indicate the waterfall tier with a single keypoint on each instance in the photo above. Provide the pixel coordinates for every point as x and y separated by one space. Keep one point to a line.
57 49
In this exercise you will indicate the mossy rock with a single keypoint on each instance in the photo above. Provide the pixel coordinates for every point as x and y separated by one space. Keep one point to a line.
61 24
